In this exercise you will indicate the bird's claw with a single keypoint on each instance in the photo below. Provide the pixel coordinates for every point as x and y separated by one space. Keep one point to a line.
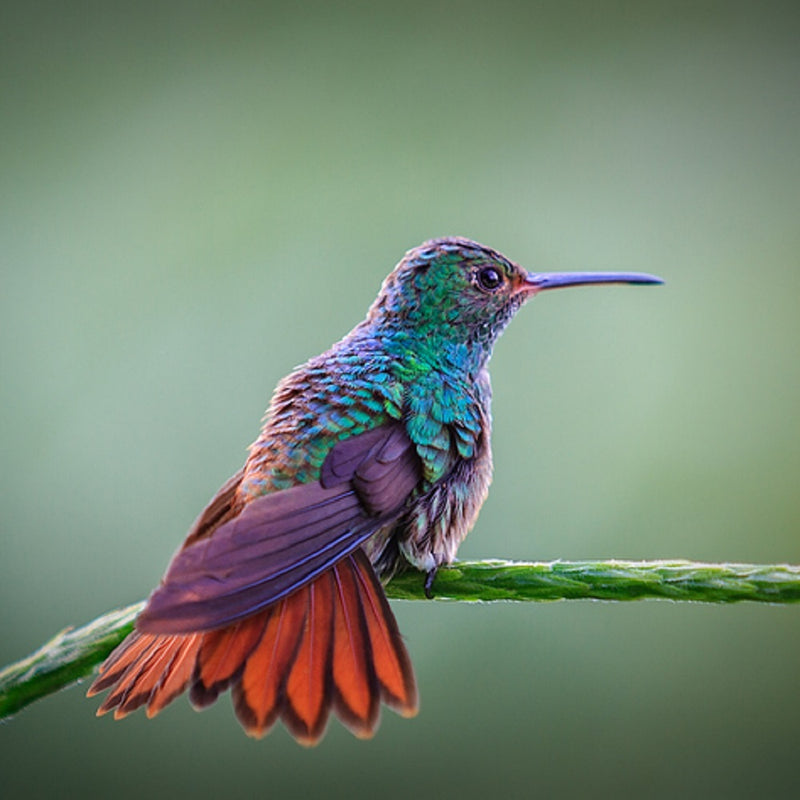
430 577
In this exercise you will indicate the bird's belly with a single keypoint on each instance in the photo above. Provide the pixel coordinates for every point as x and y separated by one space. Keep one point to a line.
430 532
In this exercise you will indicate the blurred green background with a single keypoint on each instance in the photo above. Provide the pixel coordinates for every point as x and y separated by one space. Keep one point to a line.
195 197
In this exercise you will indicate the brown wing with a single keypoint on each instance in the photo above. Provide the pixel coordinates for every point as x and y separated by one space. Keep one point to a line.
281 541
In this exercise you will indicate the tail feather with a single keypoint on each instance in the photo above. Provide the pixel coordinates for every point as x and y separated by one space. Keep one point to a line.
176 676
222 655
258 694
391 662
115 666
356 691
136 686
308 688
127 681
333 644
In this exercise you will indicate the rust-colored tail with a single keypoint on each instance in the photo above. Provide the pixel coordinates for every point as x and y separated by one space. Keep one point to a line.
334 643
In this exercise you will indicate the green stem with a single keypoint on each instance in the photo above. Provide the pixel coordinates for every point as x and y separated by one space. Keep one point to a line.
73 653
607 580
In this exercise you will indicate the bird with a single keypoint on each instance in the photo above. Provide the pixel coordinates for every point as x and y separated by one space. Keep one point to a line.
373 457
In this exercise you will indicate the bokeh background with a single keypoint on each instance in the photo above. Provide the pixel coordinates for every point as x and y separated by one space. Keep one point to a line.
196 197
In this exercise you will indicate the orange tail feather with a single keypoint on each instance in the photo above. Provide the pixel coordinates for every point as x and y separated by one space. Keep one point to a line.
308 688
177 674
222 655
389 657
331 644
356 692
258 693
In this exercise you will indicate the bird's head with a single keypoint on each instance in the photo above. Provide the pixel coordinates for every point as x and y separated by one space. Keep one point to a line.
456 296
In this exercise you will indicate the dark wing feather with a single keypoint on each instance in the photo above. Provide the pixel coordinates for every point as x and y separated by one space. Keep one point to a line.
345 458
221 508
283 540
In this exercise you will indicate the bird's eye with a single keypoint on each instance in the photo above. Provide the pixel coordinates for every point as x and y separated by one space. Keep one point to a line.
489 279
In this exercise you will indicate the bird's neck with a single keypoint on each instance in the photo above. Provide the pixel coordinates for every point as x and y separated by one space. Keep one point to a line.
431 349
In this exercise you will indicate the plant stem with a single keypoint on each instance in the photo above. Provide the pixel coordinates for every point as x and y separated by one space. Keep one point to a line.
73 653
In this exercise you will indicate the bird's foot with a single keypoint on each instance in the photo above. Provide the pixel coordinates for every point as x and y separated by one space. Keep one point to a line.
430 577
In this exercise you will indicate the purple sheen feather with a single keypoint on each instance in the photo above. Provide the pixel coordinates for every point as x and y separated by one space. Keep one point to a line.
259 528
281 541
379 485
199 606
349 454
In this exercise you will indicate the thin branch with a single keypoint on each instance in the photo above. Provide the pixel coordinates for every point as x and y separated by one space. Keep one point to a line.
73 653
65 659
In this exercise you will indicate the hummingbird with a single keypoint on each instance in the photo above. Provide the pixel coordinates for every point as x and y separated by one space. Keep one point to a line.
373 457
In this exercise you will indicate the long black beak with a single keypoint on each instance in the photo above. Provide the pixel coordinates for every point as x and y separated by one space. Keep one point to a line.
539 281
